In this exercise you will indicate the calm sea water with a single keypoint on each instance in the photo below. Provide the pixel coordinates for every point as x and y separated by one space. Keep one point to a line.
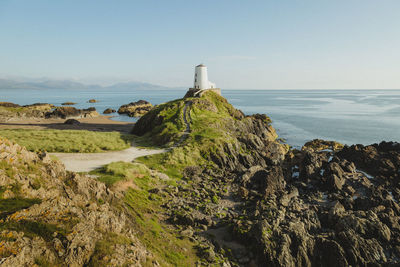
347 116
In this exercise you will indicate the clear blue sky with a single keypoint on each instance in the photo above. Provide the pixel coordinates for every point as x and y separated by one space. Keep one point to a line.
245 44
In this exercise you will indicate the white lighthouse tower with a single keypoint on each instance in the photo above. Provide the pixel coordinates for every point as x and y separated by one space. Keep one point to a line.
201 78
201 82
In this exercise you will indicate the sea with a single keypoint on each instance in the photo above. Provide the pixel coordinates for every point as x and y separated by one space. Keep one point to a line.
346 116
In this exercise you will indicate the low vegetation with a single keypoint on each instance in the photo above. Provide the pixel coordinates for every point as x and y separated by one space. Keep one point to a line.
68 140
144 204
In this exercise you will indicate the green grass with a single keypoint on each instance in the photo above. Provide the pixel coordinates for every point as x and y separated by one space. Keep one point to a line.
117 171
158 237
164 124
68 140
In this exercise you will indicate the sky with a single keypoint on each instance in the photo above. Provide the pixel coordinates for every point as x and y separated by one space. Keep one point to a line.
266 44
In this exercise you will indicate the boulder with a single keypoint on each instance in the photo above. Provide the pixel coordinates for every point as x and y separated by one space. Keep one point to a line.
72 122
92 101
109 111
135 109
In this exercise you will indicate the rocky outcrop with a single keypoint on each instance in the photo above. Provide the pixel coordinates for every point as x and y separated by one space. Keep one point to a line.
71 112
52 217
43 110
92 101
9 105
321 208
322 145
135 109
14 111
109 111
328 210
68 103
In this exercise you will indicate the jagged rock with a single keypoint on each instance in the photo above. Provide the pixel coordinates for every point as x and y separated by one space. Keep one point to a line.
350 224
135 109
266 181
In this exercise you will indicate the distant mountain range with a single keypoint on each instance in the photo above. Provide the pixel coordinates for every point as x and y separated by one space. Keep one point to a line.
72 85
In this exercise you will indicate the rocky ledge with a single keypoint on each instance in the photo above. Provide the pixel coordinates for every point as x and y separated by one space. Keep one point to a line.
135 109
50 217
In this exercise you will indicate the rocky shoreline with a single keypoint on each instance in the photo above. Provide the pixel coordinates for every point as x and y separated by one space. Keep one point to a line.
233 189
11 111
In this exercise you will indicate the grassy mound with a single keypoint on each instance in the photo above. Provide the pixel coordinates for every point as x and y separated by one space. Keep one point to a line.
68 140
214 123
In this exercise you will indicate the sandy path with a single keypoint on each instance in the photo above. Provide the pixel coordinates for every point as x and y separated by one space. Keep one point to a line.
85 162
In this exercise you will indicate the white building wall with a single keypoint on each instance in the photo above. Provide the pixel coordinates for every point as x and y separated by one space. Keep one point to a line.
201 77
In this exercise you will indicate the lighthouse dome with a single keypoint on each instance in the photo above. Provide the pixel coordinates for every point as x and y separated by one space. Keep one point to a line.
201 65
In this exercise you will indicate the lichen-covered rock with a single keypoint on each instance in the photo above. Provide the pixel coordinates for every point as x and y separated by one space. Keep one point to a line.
71 112
135 109
58 218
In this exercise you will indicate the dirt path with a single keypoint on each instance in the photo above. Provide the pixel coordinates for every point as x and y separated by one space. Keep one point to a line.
187 131
85 162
